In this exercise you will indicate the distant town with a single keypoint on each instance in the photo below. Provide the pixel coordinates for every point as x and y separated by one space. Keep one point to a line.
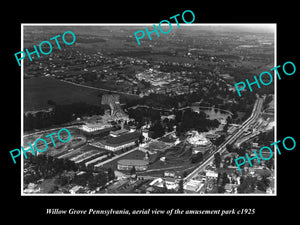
163 118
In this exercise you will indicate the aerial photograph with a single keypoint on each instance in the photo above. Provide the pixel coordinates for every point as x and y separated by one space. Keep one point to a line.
162 117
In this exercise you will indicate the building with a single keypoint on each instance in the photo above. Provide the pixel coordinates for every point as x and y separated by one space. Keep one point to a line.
128 164
114 103
169 183
169 173
230 188
118 186
211 174
199 142
118 133
121 142
75 189
145 133
92 127
193 186
32 188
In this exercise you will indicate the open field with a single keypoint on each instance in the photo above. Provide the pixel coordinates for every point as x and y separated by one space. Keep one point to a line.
37 91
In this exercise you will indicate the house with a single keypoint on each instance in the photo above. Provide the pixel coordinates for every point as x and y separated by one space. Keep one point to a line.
230 188
171 183
75 189
32 188
168 182
193 186
118 186
211 174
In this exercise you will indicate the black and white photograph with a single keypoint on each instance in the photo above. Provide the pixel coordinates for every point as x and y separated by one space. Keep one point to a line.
160 117
145 112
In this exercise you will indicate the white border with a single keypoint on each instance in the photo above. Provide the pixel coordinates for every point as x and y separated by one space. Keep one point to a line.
148 24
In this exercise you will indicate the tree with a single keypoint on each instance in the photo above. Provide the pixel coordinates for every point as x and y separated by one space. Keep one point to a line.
265 180
219 140
62 181
261 186
225 179
133 171
185 173
241 151
197 157
248 185
270 163
157 130
180 189
141 139
217 159
221 189
110 174
51 102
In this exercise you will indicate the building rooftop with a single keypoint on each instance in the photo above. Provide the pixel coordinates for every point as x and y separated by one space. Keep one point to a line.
123 139
119 132
133 162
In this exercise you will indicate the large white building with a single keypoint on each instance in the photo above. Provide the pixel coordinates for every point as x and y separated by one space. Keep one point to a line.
92 127
193 186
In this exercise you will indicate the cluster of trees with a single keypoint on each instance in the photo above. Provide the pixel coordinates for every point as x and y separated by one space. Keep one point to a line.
247 185
94 180
188 120
178 101
155 100
89 76
241 151
266 137
222 181
143 115
267 101
219 140
157 130
45 166
263 184
61 114
217 159
198 157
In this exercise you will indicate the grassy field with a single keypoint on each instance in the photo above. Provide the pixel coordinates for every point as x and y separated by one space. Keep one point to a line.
37 91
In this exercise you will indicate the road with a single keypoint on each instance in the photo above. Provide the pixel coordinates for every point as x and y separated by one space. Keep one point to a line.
255 113
49 130
100 89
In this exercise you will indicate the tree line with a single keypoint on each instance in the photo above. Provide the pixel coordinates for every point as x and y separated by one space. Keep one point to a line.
47 167
60 114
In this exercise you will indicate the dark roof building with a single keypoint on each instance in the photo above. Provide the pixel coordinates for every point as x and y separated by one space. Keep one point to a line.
121 142
128 164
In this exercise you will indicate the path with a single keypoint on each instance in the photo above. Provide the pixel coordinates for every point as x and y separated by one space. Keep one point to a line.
100 89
